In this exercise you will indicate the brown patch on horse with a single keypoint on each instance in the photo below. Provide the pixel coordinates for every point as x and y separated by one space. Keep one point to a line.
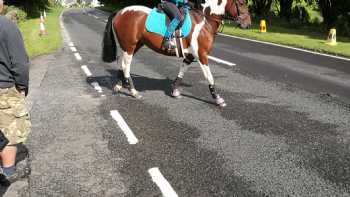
130 30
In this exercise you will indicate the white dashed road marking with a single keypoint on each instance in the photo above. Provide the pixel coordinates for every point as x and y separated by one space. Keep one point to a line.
71 44
97 87
221 61
73 49
86 70
77 56
124 127
162 183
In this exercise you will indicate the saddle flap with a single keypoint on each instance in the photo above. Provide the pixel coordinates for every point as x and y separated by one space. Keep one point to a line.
156 23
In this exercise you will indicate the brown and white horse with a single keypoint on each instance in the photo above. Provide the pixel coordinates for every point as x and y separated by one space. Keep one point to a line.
128 27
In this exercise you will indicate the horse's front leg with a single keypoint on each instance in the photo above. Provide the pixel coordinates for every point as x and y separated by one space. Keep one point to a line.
203 62
175 92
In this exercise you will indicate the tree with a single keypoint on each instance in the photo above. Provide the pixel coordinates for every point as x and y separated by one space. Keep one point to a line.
286 8
336 13
261 7
32 7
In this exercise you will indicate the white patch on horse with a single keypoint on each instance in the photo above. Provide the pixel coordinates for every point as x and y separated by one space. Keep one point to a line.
125 63
214 7
194 41
207 73
136 8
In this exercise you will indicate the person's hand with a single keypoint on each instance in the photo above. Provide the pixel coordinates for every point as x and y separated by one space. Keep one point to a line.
21 91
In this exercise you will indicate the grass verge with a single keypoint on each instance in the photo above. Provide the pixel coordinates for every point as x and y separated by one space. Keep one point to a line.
296 37
39 45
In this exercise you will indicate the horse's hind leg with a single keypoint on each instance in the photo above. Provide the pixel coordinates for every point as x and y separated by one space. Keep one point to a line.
120 80
125 65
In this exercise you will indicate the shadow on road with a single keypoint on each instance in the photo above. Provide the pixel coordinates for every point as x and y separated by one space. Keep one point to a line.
141 83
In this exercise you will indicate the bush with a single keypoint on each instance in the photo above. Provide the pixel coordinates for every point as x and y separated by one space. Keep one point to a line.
343 25
300 13
21 15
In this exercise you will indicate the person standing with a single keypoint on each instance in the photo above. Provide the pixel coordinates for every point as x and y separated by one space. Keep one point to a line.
14 117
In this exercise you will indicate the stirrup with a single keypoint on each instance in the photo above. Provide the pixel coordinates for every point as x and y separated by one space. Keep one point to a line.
168 44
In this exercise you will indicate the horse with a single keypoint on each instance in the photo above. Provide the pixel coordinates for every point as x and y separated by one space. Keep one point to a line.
127 26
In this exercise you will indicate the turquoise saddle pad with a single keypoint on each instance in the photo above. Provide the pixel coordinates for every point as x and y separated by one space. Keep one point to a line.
156 23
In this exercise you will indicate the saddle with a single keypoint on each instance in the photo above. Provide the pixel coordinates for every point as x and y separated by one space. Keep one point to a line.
156 22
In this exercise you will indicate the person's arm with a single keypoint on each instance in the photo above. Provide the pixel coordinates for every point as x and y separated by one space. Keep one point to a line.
19 67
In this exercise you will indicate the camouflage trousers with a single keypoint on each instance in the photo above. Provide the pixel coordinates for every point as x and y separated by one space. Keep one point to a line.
14 116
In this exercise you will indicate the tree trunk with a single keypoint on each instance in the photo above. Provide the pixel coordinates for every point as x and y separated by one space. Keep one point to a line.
328 10
262 7
286 9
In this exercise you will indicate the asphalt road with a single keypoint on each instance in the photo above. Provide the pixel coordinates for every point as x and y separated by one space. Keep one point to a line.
285 131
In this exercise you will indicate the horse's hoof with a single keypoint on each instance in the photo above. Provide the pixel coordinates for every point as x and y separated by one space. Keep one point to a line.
222 105
135 94
117 88
220 101
176 93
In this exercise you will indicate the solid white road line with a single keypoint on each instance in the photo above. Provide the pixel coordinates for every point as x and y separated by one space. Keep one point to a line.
77 56
106 20
86 70
73 49
162 183
71 44
124 127
66 37
288 47
96 86
221 61
95 16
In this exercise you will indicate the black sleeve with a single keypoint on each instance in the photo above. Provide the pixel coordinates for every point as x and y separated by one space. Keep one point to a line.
18 57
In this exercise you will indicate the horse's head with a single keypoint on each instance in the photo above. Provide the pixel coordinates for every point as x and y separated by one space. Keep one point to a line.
238 9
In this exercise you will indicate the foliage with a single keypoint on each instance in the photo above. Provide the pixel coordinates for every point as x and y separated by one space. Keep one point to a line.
21 15
31 7
260 7
336 13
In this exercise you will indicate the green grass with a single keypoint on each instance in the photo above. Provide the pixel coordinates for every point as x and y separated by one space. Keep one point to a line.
306 38
39 45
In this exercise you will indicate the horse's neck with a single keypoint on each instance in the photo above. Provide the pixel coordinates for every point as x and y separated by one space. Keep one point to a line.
213 10
214 21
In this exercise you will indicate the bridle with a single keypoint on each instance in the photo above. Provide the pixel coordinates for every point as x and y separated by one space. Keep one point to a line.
219 18
235 16
237 13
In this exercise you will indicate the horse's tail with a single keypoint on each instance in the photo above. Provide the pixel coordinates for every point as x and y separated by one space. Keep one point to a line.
109 46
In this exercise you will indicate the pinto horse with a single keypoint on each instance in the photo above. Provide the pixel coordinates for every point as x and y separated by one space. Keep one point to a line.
127 26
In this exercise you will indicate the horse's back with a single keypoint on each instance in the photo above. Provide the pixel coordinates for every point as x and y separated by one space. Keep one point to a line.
135 9
129 25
